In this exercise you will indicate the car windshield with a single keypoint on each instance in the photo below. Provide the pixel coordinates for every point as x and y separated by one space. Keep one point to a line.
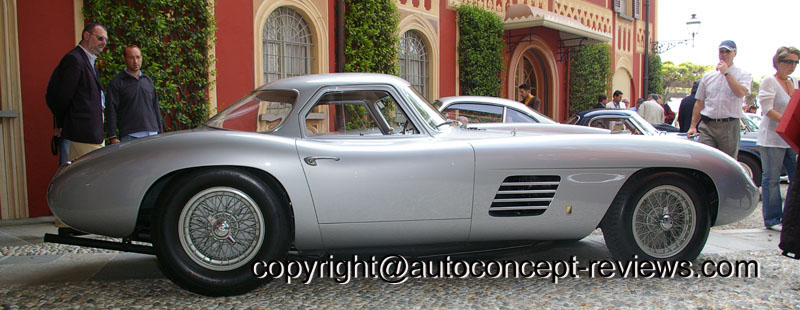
749 124
644 124
260 111
426 111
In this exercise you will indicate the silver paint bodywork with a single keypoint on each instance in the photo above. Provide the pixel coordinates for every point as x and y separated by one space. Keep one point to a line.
433 187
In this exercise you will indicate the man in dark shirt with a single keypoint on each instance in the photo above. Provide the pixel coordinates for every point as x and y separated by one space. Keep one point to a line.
132 102
686 108
602 100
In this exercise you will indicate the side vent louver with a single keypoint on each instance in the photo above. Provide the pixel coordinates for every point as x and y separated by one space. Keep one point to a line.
524 195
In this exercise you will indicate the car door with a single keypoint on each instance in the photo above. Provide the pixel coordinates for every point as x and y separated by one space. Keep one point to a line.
376 179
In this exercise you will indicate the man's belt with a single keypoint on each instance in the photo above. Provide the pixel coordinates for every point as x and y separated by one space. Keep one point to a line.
708 119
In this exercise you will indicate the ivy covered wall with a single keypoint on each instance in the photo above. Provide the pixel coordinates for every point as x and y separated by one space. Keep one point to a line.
175 38
480 48
590 76
370 36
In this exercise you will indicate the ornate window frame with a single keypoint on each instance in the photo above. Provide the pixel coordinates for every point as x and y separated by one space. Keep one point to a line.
430 36
313 12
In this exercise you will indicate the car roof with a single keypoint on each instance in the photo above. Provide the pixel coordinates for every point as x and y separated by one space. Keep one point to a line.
334 79
598 112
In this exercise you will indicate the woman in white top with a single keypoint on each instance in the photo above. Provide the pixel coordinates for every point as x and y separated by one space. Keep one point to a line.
775 153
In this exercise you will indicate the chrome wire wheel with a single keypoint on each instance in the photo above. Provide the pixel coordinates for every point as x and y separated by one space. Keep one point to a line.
664 221
221 228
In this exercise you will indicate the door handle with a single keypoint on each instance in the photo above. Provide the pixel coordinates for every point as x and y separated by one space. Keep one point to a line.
312 160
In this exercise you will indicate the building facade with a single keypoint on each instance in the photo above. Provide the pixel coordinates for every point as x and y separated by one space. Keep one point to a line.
263 40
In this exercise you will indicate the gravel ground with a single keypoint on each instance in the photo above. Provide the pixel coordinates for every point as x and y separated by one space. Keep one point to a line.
776 287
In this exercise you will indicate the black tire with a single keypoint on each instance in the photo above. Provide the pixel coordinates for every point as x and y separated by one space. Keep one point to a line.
679 234
190 237
752 164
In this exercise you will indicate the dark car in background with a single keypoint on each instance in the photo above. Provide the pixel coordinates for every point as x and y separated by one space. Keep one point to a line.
748 155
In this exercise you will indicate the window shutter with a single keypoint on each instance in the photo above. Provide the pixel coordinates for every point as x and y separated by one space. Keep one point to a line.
618 6
637 9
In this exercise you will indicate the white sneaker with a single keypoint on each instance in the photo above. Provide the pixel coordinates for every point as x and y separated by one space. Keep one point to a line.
776 227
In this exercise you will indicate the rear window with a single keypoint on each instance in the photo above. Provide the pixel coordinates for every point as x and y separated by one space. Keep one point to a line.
261 111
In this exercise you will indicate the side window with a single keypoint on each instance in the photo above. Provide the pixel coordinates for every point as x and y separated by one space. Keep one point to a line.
599 123
474 113
514 116
357 113
393 116
262 111
616 125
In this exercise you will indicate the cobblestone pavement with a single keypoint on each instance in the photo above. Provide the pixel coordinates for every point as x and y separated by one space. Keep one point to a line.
776 287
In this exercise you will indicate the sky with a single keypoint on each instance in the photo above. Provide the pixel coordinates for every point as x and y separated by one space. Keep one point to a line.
759 28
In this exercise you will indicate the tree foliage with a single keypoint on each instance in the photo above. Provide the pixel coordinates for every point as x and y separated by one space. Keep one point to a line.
752 97
480 49
590 76
678 79
371 39
175 38
655 79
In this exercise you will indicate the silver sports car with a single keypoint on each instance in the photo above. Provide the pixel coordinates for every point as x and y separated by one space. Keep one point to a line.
318 163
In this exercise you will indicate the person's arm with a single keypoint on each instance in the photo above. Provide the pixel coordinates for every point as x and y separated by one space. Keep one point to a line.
698 106
766 95
734 82
157 108
112 103
64 84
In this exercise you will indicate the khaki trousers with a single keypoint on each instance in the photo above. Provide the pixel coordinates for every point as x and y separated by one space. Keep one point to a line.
77 149
723 136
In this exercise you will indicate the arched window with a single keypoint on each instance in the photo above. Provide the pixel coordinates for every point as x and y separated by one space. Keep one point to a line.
413 57
287 45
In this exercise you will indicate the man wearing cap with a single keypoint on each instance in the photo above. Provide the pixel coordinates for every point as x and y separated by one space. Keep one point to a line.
720 95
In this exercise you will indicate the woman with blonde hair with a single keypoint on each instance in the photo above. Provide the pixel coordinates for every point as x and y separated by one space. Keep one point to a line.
774 95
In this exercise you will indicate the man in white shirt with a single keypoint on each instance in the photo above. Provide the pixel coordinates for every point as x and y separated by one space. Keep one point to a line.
720 96
651 111
616 101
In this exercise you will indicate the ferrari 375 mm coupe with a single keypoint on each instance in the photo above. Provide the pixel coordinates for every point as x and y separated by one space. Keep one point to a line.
320 163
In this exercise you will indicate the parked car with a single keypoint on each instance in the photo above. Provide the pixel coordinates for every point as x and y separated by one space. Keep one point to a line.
481 109
755 118
318 163
749 128
748 155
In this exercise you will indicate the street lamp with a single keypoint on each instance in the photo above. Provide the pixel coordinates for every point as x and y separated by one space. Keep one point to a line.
693 26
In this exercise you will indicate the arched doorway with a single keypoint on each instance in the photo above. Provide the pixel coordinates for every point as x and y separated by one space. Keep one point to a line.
534 68
623 82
